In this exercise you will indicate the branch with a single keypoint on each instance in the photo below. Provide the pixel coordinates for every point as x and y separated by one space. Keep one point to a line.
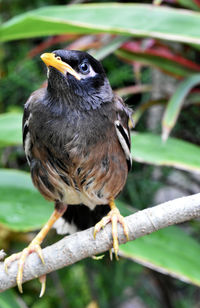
78 246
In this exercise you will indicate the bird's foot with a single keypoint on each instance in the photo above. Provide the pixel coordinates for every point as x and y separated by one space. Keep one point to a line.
34 246
114 217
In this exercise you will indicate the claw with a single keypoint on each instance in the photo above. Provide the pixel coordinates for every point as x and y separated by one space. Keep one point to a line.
124 225
114 217
21 257
110 254
11 259
39 252
42 280
31 248
34 246
101 224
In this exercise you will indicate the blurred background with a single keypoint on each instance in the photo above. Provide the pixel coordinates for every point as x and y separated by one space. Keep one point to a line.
150 52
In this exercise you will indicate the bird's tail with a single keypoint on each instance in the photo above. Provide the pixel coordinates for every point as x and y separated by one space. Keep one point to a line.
80 217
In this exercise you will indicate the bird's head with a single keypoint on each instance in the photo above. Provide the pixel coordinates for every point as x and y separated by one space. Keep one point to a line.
77 78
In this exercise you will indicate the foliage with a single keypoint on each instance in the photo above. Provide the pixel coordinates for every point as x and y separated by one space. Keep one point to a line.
131 40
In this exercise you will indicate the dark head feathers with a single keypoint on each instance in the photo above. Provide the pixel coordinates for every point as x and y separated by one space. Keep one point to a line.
90 92
75 57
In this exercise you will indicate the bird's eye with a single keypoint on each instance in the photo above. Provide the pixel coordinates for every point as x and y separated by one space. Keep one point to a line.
84 68
58 58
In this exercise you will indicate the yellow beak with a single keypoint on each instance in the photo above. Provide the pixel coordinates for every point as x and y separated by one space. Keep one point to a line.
50 59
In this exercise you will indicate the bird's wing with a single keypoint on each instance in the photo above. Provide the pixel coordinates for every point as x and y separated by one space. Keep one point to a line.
27 143
26 133
121 125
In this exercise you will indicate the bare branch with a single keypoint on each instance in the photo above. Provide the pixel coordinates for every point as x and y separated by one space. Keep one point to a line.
81 245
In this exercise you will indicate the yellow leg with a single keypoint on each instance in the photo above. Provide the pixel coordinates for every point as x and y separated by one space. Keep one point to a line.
114 217
34 246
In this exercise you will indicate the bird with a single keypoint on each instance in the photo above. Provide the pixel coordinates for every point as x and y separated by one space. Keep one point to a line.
76 140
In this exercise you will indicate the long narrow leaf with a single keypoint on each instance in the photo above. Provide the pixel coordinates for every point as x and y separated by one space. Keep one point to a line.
161 51
167 65
191 4
125 19
174 106
109 48
163 251
145 106
150 149
193 98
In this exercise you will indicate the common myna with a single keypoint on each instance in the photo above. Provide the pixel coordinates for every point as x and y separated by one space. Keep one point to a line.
77 143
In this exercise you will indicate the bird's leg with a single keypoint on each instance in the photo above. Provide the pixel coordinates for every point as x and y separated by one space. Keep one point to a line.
34 246
114 217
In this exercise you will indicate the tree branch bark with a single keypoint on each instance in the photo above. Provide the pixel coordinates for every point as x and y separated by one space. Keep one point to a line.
78 246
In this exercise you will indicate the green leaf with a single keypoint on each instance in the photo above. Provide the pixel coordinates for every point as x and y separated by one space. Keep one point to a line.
125 210
164 64
8 299
109 48
149 148
192 99
138 112
170 251
175 103
189 4
125 19
10 129
22 208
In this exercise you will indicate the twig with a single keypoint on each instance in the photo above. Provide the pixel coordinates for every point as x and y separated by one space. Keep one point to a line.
78 246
